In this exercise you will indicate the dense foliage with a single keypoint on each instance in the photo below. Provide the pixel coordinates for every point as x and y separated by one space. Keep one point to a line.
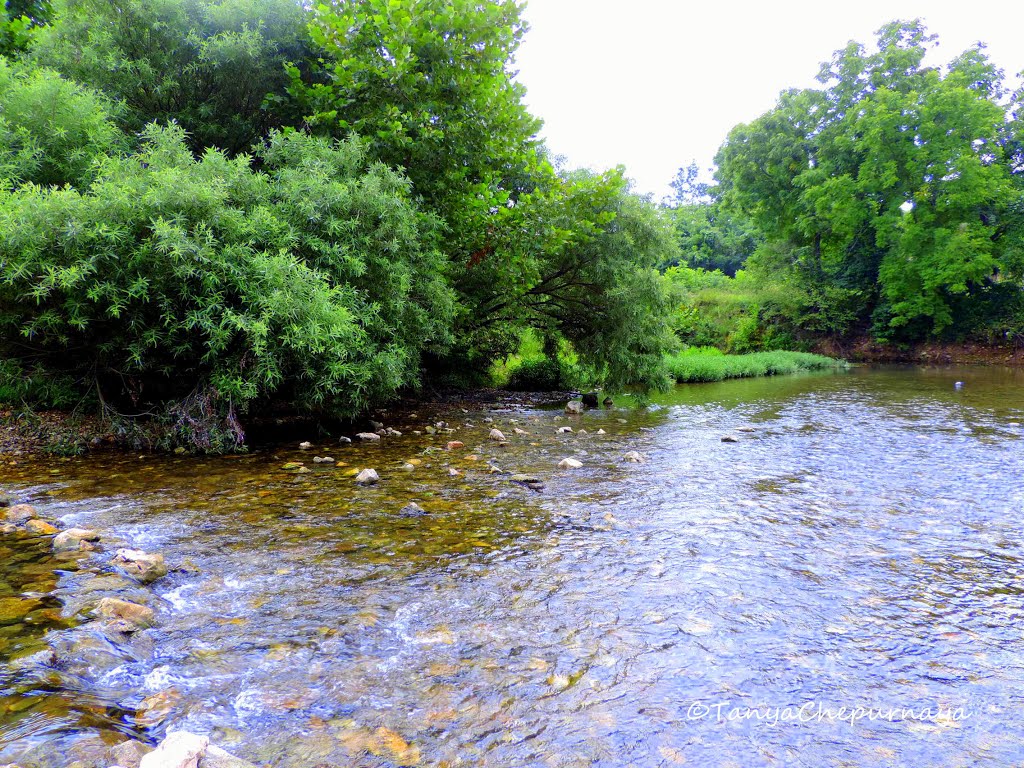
212 207
891 197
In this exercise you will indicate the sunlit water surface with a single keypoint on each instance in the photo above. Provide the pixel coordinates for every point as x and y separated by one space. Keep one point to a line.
860 547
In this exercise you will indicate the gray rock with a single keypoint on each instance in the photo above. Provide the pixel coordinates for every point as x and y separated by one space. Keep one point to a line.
180 749
496 434
138 615
370 437
323 459
564 430
412 509
526 479
634 456
344 440
570 464
305 446
128 754
368 477
574 406
216 757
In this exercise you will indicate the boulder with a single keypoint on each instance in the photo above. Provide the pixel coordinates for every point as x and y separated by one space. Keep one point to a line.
633 456
496 434
369 437
41 528
74 538
344 440
590 400
368 477
140 565
138 615
20 513
128 754
570 464
574 406
180 749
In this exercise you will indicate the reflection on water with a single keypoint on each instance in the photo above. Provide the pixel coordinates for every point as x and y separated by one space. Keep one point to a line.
859 547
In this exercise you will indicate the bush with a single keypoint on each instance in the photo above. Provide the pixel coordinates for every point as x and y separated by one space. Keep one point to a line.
173 278
693 366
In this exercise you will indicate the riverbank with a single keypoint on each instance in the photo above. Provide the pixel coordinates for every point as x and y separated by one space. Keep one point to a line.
701 365
933 353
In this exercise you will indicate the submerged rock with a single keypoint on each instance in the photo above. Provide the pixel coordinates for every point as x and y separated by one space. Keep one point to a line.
140 565
453 444
570 464
216 757
323 459
370 437
128 754
730 439
20 513
412 509
634 456
368 477
5 500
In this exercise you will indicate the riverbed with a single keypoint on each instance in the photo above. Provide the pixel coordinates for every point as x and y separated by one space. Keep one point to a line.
839 585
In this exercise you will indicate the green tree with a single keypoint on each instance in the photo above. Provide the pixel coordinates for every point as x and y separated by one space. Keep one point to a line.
885 190
216 67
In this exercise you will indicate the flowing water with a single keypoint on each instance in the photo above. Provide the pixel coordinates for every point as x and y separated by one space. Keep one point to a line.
858 546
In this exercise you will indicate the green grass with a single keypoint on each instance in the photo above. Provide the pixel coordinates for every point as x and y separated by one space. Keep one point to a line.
703 364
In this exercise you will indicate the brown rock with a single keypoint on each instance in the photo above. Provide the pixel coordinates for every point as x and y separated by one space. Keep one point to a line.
41 528
74 538
19 513
455 444
140 565
138 615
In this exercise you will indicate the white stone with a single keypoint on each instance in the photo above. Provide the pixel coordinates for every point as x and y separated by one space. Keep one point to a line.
570 464
180 749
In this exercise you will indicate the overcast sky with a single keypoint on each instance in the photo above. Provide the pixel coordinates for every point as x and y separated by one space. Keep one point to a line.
654 84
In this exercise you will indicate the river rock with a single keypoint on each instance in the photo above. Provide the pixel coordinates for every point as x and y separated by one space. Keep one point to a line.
531 480
216 757
412 509
323 459
730 439
369 437
305 446
20 513
519 431
590 400
138 615
74 538
570 464
392 432
41 528
581 432
746 429
601 432
496 434
452 445
140 565
128 754
574 406
608 402
564 430
634 456
5 500
344 440
368 477
180 749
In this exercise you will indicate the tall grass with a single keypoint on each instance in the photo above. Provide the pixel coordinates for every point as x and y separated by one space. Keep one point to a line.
703 364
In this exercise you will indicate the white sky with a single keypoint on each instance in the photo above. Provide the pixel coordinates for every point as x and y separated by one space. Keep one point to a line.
654 84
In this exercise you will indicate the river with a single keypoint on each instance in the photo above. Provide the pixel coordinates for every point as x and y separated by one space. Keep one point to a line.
840 586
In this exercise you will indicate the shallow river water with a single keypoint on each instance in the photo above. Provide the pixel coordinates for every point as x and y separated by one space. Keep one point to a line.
859 546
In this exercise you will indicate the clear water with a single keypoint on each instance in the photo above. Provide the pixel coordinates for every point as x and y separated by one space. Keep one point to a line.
861 547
